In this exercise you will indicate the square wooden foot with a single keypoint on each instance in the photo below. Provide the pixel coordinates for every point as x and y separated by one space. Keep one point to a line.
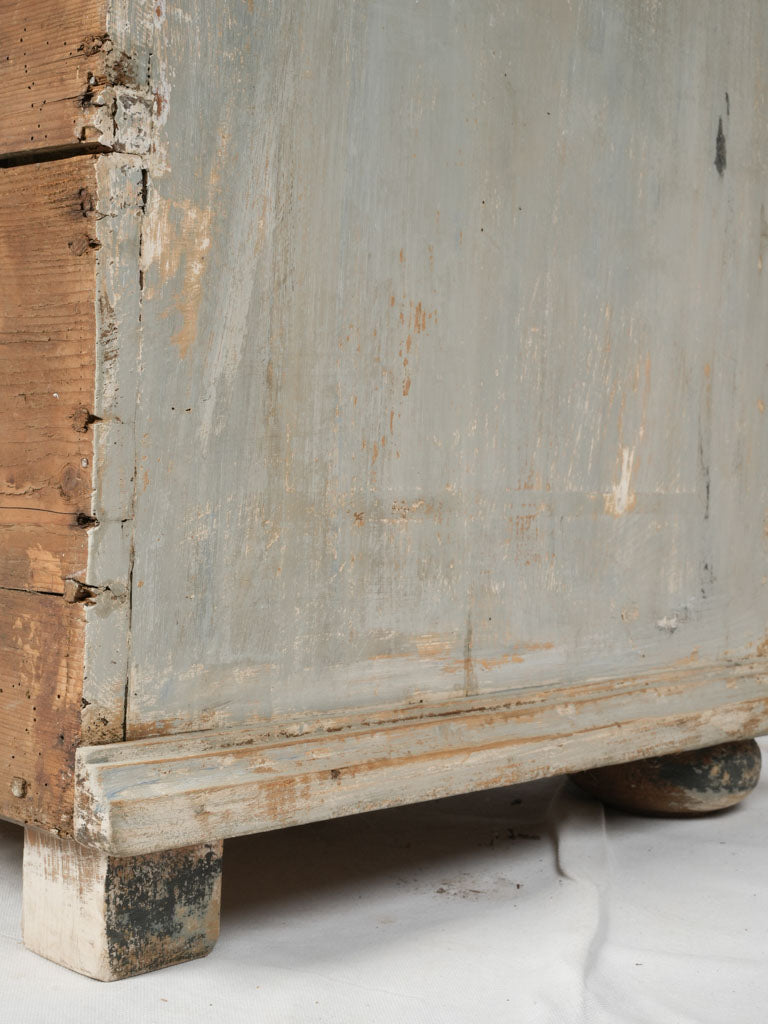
113 917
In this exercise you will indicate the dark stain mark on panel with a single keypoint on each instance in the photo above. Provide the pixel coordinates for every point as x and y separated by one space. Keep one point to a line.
720 161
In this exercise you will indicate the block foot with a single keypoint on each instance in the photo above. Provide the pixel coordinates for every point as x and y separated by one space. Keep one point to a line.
678 785
113 917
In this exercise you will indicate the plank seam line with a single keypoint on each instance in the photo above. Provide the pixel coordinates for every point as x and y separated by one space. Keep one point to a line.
42 156
31 590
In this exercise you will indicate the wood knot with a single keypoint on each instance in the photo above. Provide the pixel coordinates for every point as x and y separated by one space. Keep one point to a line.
69 482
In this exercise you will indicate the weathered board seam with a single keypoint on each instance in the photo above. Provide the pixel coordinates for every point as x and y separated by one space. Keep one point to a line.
123 184
120 201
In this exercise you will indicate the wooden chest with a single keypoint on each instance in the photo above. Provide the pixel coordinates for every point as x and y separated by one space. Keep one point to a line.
382 408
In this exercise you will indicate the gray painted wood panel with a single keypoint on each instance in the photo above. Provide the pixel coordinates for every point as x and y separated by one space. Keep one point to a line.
452 374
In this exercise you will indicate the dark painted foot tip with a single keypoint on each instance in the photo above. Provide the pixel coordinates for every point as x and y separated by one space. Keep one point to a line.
678 785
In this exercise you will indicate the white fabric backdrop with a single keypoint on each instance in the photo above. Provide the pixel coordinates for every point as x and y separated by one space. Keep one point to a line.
526 904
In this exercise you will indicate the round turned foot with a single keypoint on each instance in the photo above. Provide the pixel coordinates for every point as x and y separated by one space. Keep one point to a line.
678 785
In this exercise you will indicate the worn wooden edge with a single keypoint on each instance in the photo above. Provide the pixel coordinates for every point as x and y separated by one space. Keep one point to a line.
51 56
145 795
47 275
120 195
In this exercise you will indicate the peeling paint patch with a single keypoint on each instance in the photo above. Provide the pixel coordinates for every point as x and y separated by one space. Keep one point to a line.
621 498
668 624
720 157
176 244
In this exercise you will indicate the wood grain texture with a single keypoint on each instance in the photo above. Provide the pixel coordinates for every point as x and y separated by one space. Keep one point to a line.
51 58
136 797
456 382
38 549
47 339
112 918
47 331
41 676
73 75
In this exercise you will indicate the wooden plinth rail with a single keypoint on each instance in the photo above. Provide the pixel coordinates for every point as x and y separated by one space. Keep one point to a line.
135 797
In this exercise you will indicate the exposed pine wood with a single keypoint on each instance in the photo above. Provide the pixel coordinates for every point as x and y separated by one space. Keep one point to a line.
47 328
140 796
41 667
47 337
50 50
38 550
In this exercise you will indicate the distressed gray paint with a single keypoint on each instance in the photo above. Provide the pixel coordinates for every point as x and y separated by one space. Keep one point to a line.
173 790
118 218
568 476
117 221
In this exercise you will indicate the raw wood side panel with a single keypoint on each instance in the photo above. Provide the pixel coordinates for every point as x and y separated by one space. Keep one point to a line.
38 549
51 56
41 669
47 333
47 328
141 796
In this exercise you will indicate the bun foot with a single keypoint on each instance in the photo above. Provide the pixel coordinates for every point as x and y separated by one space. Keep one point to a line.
678 785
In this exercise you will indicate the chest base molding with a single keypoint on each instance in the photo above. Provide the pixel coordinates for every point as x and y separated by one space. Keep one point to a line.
158 793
